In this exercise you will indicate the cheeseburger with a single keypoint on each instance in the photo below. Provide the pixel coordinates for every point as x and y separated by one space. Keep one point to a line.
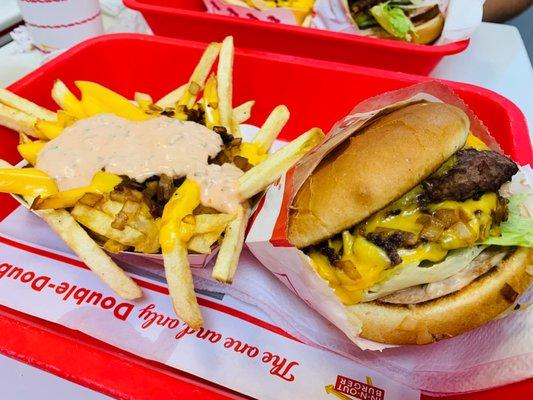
407 222
417 21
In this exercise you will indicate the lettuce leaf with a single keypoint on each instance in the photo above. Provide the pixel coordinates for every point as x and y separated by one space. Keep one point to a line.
518 229
392 19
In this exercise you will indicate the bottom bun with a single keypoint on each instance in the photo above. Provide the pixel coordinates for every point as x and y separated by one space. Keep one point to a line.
425 33
429 31
478 303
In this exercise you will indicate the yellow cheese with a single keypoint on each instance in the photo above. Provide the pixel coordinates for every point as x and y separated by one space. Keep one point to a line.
370 264
475 143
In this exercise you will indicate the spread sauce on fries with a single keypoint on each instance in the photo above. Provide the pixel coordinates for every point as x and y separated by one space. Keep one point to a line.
139 150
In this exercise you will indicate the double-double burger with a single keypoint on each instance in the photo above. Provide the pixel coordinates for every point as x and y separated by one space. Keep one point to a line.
408 223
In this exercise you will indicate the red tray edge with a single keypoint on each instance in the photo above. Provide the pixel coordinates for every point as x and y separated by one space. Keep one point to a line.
443 50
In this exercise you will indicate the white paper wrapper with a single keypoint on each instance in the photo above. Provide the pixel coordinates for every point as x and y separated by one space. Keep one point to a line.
56 25
276 15
462 18
267 237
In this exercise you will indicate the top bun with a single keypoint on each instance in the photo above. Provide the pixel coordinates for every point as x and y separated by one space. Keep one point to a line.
375 167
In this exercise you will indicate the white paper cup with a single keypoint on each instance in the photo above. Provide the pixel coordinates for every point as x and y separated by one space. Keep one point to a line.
59 24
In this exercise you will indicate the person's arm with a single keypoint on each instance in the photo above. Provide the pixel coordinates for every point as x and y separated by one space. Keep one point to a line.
503 10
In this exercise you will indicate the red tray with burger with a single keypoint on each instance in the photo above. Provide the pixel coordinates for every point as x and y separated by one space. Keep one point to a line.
301 79
187 19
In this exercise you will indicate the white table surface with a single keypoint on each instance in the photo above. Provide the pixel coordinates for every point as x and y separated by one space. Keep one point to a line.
496 59
9 13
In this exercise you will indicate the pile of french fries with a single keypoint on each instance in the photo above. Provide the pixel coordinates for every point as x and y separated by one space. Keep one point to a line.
104 215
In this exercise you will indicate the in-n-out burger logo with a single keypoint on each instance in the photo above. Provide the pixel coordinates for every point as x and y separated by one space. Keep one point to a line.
355 389
66 291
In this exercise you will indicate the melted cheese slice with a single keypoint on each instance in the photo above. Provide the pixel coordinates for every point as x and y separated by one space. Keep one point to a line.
411 274
353 285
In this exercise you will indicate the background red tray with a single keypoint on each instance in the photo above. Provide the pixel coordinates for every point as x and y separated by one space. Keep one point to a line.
188 19
317 93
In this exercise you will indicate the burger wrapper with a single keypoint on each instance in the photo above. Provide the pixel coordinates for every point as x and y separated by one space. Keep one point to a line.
150 260
462 18
278 15
267 238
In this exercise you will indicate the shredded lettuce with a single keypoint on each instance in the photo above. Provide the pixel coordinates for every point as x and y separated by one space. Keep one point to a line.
392 19
518 229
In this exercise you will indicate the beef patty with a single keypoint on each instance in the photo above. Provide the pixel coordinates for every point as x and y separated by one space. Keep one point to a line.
474 173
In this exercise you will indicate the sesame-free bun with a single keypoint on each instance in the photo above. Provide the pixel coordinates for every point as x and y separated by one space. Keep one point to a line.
428 31
374 167
476 304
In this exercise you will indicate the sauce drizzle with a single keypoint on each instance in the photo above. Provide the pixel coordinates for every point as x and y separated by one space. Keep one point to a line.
141 149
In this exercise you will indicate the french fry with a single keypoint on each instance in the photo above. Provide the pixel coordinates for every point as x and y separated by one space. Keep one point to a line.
66 100
150 245
20 103
100 222
172 98
240 3
209 103
102 182
113 246
48 129
89 252
23 138
181 286
64 119
29 151
199 75
145 223
242 113
202 243
97 99
142 222
306 23
225 83
259 177
144 100
230 249
111 207
18 121
205 223
272 127
26 182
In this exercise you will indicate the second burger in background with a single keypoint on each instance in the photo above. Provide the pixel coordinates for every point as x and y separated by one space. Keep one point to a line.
417 21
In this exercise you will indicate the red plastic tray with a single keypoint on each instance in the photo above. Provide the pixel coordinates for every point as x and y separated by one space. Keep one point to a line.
188 19
316 92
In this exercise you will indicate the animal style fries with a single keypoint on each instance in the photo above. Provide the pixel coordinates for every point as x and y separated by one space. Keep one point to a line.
172 176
